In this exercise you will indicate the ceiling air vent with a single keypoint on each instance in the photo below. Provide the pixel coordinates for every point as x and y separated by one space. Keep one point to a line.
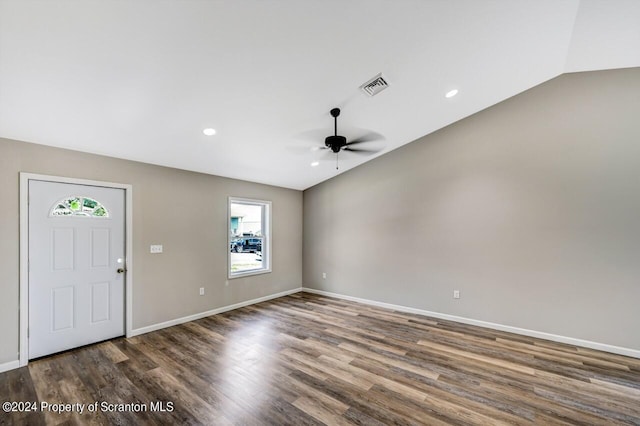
374 86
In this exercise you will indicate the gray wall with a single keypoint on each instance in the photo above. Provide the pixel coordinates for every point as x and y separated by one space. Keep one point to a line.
184 211
530 208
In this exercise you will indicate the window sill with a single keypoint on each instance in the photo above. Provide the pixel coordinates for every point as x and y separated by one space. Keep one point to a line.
249 273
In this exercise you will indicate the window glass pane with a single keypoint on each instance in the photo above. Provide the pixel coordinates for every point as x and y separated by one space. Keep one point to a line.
247 237
79 206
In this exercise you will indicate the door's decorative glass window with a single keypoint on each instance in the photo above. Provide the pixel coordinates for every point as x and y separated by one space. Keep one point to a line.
79 206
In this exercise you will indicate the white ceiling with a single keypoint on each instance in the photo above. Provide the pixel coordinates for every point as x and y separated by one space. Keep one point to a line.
141 79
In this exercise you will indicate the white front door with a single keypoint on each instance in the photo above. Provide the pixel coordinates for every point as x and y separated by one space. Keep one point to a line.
76 265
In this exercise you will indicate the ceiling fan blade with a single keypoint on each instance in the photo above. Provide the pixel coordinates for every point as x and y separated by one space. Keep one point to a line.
369 137
302 149
361 150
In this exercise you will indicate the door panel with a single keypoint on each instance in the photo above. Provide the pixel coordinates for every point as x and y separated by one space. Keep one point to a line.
63 248
100 247
99 302
62 308
76 296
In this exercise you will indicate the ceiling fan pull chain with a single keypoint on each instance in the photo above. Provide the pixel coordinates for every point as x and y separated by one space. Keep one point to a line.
336 161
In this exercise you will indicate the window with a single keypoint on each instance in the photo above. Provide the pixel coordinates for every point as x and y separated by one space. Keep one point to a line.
79 206
249 237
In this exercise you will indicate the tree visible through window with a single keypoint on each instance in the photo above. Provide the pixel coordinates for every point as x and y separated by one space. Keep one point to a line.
249 236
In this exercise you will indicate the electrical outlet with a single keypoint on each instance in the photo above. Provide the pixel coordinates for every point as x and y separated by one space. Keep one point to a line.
456 294
201 291
155 248
324 275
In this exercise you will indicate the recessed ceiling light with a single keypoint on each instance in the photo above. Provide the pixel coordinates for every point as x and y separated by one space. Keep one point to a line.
451 93
315 163
209 131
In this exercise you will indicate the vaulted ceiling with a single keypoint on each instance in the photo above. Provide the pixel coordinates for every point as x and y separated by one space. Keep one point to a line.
141 79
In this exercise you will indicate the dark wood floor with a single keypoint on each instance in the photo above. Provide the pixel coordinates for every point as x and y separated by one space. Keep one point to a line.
307 359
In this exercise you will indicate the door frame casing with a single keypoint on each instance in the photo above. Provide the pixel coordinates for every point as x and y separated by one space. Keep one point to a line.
24 251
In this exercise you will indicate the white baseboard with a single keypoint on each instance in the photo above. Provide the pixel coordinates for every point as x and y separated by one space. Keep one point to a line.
523 331
11 365
171 323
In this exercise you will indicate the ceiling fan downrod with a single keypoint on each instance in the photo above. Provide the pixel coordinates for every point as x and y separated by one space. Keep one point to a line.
335 113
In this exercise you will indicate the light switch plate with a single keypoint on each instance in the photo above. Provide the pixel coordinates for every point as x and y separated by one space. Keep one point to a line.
155 248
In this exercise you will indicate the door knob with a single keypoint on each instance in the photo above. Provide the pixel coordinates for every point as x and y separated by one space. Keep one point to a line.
121 270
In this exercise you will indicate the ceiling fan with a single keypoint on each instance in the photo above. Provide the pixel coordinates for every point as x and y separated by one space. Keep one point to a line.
337 143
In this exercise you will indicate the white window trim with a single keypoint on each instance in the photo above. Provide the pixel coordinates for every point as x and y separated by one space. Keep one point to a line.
266 234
